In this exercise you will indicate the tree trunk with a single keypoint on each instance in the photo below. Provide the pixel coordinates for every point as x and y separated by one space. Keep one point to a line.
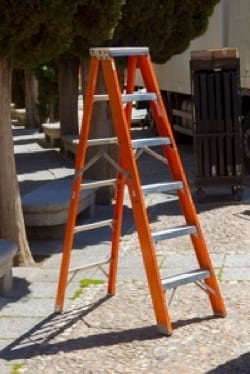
101 127
18 96
31 99
12 222
68 69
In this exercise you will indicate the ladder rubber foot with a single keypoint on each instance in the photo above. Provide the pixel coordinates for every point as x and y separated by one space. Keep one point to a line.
58 309
163 330
220 315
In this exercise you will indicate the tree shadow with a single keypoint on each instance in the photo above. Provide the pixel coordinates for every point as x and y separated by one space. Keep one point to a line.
22 131
28 162
25 141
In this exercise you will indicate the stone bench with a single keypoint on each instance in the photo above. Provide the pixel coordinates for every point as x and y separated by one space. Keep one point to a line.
8 250
48 205
52 133
18 116
69 145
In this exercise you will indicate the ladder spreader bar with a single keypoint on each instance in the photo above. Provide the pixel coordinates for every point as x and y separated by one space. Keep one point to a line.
184 278
89 266
75 140
101 97
102 141
93 225
104 53
150 142
97 184
173 232
162 187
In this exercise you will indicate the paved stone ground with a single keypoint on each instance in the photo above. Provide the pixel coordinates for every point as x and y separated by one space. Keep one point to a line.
96 334
117 336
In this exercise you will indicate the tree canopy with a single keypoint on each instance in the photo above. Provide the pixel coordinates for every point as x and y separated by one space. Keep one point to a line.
165 26
94 24
35 31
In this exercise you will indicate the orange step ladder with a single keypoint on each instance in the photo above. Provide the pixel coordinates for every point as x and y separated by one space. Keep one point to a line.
128 174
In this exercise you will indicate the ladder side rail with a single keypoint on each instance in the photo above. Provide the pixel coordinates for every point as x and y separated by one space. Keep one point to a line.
75 193
118 209
178 174
136 196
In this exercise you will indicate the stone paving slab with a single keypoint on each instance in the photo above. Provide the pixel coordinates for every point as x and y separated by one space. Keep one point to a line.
19 326
239 274
40 290
33 274
35 307
233 261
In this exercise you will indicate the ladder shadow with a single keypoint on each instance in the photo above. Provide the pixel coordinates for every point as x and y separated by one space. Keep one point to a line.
39 339
191 321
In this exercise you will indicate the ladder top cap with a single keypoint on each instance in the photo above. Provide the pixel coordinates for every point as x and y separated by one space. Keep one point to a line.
105 53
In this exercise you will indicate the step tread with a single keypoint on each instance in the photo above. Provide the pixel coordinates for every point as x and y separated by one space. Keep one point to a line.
173 232
106 52
126 98
97 184
150 142
185 278
138 96
162 187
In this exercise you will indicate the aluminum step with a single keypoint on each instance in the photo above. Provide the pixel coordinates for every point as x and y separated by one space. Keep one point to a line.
128 98
137 96
136 143
93 225
184 278
150 142
98 184
162 187
173 232
105 53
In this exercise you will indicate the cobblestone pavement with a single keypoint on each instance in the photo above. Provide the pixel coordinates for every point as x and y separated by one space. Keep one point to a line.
98 334
118 335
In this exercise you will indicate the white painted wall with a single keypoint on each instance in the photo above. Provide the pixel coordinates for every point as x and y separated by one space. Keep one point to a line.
229 26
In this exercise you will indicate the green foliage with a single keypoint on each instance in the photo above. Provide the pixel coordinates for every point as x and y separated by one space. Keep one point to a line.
47 76
165 26
16 368
77 294
84 283
94 24
18 23
35 31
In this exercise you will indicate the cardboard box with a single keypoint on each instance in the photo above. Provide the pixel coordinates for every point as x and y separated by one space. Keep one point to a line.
225 53
210 54
201 55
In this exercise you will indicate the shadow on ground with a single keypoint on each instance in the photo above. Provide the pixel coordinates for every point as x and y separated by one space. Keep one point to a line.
240 365
19 290
39 339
